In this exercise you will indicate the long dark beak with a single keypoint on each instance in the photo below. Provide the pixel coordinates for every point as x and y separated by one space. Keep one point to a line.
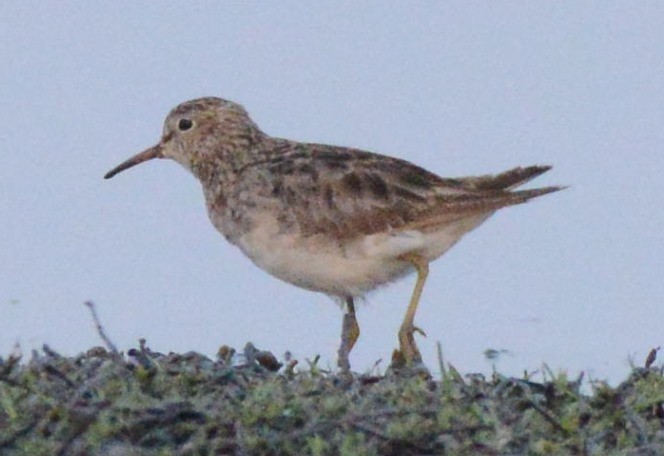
148 154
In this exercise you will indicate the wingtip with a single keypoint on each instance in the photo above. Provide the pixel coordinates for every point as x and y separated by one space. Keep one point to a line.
535 192
511 179
536 170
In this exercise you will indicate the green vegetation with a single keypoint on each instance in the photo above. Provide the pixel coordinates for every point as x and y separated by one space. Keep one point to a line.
146 403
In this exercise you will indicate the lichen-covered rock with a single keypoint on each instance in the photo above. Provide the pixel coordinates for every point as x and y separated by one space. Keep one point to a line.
148 403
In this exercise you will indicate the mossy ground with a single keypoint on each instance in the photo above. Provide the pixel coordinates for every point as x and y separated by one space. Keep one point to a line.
146 403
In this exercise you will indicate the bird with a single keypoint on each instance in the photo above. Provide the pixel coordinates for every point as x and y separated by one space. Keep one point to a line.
330 219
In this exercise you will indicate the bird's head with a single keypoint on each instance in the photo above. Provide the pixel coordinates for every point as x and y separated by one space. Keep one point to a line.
200 134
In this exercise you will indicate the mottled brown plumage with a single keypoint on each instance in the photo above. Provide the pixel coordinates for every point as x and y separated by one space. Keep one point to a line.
332 219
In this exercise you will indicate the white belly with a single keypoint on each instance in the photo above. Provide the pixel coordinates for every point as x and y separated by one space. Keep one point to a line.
350 269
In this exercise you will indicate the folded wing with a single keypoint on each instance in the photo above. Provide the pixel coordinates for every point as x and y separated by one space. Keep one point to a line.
347 192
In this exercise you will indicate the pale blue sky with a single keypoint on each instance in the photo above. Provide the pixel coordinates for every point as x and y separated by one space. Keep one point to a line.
575 279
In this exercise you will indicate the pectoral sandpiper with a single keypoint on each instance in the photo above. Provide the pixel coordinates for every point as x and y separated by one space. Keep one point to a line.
335 220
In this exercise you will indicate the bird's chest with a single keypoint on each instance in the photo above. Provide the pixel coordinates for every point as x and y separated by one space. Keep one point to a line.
226 219
235 212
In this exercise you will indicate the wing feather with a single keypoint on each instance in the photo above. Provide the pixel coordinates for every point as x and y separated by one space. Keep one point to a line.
348 192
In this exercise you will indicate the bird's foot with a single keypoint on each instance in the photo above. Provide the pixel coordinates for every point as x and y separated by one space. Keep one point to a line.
407 344
401 367
408 355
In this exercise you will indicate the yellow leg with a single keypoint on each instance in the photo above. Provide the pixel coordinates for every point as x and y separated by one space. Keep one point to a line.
408 351
350 332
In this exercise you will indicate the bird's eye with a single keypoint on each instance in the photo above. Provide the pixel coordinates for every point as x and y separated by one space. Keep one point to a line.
185 124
